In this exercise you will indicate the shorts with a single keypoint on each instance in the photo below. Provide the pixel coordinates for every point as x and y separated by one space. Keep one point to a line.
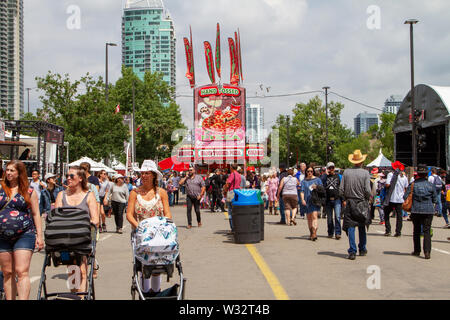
290 201
310 208
27 241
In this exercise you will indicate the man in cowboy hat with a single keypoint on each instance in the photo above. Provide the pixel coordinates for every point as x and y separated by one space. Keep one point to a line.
396 184
355 190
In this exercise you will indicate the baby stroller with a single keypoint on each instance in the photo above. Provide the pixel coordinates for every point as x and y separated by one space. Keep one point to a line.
156 252
69 237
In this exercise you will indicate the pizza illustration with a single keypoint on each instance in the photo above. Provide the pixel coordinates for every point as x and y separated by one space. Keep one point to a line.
223 121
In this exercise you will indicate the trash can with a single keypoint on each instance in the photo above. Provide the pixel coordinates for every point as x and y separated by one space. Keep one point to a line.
248 223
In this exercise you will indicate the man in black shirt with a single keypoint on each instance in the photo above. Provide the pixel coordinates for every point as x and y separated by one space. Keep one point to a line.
217 184
332 181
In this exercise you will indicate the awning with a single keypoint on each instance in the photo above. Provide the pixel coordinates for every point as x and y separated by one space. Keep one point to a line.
170 164
14 143
380 161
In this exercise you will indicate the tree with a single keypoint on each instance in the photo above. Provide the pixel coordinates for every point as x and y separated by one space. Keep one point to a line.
308 131
91 127
155 111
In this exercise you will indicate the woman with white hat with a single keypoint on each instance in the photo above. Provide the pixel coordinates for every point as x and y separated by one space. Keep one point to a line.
145 202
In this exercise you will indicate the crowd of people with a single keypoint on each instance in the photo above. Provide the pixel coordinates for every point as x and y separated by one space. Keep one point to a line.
348 199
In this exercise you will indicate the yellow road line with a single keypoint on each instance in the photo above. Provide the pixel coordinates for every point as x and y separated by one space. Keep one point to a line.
277 288
275 285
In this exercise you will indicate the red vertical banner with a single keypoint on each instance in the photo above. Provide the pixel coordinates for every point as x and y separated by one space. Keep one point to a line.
189 59
218 57
209 61
233 79
240 55
191 47
236 42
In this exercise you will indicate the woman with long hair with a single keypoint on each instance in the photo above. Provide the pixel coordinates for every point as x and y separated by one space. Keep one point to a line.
20 230
78 195
309 184
145 202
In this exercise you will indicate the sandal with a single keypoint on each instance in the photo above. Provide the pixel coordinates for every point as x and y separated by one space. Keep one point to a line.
295 223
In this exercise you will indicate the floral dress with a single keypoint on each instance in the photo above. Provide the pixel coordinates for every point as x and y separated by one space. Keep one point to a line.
148 209
15 218
272 188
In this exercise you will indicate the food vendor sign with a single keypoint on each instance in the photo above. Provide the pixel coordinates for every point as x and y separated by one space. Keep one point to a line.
219 123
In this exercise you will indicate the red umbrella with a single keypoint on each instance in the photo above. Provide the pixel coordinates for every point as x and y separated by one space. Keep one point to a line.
169 164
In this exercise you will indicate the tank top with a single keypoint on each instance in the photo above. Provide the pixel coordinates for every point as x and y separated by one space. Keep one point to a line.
148 209
82 206
290 186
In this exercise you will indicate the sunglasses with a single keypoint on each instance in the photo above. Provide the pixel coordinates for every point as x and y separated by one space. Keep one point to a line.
71 176
309 171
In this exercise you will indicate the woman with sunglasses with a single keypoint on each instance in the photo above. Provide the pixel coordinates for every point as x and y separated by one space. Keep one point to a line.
309 184
78 195
20 230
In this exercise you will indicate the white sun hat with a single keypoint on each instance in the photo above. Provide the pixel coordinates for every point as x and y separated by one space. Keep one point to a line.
150 165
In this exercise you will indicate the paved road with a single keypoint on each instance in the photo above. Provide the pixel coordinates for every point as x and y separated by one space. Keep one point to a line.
286 265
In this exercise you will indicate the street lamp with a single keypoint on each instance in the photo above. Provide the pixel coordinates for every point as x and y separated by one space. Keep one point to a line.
326 119
411 22
106 80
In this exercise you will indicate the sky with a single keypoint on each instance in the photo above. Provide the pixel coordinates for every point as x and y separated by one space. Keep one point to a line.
360 49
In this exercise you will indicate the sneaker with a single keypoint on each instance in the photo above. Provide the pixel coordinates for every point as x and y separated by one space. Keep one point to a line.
381 223
363 253
330 236
397 235
119 231
352 256
338 237
427 255
415 253
387 234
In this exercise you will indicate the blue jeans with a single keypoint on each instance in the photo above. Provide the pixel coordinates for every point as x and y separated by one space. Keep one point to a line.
439 204
362 239
282 208
170 194
445 207
229 210
334 225
302 208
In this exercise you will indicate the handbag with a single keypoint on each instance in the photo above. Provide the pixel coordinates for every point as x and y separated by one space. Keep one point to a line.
377 201
14 222
408 202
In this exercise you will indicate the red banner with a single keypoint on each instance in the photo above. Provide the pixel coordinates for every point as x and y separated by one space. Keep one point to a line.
189 60
218 57
240 55
192 57
236 42
209 62
233 79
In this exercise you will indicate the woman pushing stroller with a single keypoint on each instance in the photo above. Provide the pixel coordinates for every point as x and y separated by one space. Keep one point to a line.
145 202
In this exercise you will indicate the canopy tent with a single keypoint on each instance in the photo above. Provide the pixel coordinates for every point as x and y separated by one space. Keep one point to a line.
170 164
95 166
380 161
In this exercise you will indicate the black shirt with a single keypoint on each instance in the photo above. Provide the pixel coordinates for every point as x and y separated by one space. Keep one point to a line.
94 180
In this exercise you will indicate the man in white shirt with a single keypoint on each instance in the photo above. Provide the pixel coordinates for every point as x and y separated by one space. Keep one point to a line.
396 182
36 184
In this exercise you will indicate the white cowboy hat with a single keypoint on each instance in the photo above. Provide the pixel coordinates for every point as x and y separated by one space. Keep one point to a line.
150 165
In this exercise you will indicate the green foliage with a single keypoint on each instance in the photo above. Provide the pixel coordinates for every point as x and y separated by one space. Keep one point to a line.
91 127
155 110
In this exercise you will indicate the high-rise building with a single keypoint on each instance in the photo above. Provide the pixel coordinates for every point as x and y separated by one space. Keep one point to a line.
11 57
393 104
255 123
148 39
364 121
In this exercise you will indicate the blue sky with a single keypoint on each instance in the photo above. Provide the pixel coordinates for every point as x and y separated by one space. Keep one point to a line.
287 45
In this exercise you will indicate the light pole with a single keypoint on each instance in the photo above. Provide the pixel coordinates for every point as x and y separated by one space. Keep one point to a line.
106 71
411 22
288 123
326 120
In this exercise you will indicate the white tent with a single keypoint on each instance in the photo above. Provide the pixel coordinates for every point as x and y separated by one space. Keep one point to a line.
95 166
380 161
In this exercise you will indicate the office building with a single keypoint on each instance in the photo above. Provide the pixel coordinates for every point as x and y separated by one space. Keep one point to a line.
393 104
255 123
148 39
364 121
11 57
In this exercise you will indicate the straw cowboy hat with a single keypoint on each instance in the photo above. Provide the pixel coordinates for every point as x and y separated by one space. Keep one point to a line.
150 165
357 157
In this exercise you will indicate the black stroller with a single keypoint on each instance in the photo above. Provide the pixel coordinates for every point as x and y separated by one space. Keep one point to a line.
69 237
176 292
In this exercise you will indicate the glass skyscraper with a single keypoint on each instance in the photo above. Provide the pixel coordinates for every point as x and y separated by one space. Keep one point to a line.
11 57
392 104
364 121
148 39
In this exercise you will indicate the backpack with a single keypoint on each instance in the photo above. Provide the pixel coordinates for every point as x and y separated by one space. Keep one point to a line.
68 229
437 181
156 242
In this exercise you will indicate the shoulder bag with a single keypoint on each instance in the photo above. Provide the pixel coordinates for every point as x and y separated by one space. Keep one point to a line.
408 202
